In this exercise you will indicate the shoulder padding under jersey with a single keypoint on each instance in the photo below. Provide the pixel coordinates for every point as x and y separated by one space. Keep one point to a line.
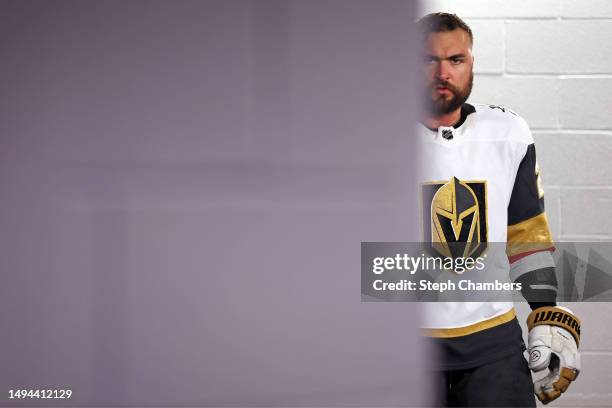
504 122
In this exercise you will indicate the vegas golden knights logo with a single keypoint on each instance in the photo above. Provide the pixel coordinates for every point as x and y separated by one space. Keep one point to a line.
455 218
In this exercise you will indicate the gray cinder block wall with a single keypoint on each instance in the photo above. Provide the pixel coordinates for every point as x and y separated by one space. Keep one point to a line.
551 62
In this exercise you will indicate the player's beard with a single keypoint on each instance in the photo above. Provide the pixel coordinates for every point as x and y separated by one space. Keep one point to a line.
440 105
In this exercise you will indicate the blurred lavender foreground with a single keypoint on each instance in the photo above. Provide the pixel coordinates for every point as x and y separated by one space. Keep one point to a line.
184 188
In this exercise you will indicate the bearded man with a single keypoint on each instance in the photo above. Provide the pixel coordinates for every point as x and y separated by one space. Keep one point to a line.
481 186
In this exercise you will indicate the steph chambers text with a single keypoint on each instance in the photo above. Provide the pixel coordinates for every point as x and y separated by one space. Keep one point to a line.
462 285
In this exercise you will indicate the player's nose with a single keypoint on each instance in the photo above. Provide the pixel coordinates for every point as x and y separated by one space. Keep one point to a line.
443 71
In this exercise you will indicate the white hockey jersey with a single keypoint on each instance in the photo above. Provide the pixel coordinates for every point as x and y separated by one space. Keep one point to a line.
483 174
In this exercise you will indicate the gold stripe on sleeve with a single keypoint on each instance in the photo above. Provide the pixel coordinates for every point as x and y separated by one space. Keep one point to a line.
529 236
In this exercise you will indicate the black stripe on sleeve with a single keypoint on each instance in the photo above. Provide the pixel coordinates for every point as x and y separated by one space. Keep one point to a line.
525 202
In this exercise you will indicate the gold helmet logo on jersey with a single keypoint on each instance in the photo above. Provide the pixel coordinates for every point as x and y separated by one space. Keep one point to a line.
457 219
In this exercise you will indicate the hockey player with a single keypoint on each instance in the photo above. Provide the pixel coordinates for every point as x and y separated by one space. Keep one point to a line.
479 163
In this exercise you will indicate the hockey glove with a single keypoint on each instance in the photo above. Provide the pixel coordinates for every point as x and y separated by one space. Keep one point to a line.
554 334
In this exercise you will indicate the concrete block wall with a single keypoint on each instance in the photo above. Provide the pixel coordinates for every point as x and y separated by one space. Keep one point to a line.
551 62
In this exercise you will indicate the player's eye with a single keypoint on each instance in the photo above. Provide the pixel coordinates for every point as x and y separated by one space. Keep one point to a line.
429 60
456 61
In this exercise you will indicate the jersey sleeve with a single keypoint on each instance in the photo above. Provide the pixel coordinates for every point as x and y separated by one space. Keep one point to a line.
528 230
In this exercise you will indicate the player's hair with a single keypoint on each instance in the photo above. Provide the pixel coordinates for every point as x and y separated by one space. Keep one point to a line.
441 22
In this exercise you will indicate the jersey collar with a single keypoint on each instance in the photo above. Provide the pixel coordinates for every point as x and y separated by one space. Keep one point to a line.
466 109
450 133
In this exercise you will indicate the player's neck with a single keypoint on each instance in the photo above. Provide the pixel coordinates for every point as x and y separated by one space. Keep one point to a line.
434 122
